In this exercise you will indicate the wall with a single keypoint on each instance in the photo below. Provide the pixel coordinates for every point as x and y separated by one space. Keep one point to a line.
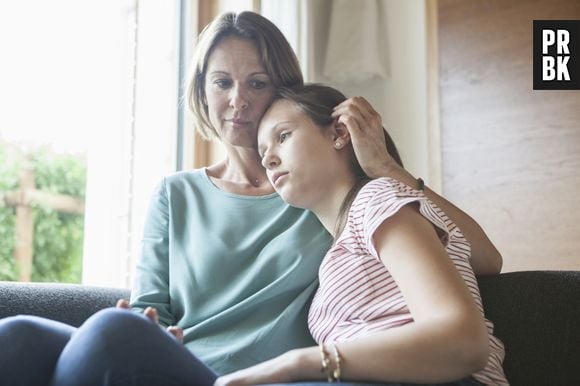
511 155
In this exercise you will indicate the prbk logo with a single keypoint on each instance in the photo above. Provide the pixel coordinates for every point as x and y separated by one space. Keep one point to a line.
556 54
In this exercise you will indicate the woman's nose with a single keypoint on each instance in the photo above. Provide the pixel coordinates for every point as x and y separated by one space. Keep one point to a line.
238 99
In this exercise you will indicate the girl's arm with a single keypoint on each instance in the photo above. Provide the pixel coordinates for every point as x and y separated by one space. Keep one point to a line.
366 130
447 341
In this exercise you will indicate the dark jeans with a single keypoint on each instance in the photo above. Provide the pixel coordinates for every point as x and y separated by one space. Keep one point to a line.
112 348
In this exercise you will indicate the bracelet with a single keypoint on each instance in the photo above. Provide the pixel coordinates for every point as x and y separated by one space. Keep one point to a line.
337 360
325 362
421 184
332 375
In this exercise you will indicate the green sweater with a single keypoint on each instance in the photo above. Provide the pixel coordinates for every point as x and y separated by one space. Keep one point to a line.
237 273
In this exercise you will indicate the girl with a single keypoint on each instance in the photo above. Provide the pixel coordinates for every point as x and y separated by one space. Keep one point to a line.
398 300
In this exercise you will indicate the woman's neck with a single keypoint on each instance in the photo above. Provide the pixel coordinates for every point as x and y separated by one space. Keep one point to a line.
241 172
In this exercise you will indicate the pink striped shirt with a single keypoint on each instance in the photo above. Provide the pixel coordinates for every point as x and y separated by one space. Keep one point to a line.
357 294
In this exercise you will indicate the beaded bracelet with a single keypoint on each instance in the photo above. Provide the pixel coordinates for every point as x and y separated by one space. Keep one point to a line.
325 362
337 360
332 375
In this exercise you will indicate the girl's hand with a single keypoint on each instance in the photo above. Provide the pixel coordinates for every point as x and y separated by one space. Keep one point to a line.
367 135
151 313
282 369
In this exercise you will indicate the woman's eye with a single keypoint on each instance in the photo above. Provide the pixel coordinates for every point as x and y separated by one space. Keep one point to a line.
284 136
222 83
258 84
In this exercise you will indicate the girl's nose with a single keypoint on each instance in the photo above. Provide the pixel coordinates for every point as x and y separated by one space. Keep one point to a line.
270 161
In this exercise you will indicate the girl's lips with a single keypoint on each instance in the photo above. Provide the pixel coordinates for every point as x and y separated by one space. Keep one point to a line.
277 177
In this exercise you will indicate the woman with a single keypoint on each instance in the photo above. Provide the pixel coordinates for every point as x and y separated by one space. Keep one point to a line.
223 257
398 301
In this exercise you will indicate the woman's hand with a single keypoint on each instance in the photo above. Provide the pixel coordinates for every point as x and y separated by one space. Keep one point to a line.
367 135
151 313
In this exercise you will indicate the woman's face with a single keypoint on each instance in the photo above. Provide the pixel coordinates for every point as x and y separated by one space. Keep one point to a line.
238 90
299 156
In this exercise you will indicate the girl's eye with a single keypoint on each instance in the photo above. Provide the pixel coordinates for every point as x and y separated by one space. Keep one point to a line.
258 84
222 83
284 136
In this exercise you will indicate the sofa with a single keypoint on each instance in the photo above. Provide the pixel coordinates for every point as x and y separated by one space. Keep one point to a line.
536 314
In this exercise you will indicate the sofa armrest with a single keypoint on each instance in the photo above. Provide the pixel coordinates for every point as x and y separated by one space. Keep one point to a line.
67 303
537 316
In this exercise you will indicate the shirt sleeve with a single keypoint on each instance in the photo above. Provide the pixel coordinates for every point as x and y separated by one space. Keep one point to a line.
151 285
382 198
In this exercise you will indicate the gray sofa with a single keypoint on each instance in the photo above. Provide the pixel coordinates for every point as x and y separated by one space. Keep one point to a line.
536 314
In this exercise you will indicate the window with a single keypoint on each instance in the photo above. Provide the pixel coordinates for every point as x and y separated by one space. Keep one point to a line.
95 82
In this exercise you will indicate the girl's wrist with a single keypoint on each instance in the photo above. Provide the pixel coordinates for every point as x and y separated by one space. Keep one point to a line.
304 364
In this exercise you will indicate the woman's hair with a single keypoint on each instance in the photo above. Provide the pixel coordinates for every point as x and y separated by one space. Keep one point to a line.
276 54
317 102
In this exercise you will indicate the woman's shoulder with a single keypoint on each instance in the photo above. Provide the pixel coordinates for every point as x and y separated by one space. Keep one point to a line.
185 178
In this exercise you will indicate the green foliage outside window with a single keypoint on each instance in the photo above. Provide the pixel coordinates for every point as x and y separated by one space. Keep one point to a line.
58 237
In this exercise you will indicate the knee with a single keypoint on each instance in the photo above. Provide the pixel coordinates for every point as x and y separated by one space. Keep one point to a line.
19 324
24 327
117 322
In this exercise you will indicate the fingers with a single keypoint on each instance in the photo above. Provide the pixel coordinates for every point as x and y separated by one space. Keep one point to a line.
123 303
357 106
177 332
149 312
357 113
152 314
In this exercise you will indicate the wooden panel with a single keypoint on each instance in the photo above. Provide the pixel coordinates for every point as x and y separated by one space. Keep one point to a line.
511 155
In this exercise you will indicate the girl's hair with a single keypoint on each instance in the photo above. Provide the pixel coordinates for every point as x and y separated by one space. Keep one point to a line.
276 54
317 102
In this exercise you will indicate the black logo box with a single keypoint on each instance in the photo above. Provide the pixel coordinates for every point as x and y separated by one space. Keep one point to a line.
573 28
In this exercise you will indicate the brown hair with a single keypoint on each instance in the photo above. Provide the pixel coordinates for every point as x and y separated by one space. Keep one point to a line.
277 57
317 102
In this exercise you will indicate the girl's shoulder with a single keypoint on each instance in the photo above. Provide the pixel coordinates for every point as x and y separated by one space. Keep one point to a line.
386 188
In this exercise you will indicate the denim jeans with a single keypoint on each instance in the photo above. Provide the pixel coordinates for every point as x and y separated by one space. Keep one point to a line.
112 348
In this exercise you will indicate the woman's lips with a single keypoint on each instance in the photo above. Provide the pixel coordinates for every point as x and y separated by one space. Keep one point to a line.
238 122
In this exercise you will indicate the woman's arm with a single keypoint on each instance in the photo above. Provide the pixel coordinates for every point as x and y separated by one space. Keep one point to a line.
367 135
151 284
447 341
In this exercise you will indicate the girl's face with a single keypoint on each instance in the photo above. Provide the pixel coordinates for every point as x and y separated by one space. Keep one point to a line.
238 90
299 156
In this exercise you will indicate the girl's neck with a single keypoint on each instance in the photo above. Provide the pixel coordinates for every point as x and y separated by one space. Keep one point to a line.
330 210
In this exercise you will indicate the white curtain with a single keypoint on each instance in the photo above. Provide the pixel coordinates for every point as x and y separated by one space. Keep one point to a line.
336 41
356 48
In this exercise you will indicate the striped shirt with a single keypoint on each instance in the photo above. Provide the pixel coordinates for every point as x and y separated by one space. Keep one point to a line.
357 294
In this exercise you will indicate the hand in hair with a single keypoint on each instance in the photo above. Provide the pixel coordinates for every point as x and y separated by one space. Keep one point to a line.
373 147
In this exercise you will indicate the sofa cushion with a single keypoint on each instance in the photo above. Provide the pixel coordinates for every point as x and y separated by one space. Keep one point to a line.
537 316
67 303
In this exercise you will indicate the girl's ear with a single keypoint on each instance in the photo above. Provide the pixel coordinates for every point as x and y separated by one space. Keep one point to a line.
339 134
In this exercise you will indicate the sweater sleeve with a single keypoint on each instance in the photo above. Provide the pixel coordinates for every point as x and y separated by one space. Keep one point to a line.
151 286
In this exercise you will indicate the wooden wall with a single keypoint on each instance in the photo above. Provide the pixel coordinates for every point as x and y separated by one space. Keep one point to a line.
510 155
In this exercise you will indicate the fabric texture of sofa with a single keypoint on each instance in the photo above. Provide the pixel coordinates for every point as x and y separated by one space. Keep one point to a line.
536 314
